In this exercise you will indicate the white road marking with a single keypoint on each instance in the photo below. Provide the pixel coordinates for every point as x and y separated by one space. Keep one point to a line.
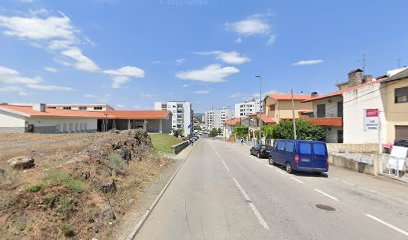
327 195
280 171
297 180
225 165
387 224
251 205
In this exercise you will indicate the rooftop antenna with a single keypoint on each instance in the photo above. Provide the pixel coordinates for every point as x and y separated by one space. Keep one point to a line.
364 61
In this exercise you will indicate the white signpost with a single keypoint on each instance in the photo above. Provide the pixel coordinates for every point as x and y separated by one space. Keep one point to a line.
371 119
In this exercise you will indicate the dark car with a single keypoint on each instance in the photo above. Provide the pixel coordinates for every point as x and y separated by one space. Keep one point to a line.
261 151
401 143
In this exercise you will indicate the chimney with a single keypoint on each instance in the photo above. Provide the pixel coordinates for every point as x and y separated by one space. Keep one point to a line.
355 78
39 107
314 94
367 78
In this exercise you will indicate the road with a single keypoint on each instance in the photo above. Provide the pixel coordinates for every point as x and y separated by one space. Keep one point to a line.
221 192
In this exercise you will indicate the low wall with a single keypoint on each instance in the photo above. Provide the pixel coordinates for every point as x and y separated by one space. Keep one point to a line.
176 149
360 148
351 164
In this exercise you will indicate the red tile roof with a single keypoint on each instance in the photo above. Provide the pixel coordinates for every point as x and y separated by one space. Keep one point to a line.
233 121
340 92
138 114
265 118
288 97
112 114
330 122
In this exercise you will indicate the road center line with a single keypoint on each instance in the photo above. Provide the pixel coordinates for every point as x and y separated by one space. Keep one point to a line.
327 195
225 165
297 180
251 205
387 224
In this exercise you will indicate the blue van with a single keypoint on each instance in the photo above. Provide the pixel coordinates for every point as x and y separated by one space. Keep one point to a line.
300 155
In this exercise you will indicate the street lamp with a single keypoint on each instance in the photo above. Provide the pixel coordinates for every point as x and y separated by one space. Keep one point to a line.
260 106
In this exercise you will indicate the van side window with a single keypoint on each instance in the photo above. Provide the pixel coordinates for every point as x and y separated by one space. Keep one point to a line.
305 148
319 149
281 145
290 146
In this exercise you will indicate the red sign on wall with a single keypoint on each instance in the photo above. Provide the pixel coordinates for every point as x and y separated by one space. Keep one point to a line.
371 112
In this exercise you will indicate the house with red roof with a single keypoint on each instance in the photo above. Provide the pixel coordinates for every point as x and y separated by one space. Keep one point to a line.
38 118
278 106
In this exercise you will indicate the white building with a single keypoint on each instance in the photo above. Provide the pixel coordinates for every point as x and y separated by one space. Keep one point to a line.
247 108
217 118
81 107
182 114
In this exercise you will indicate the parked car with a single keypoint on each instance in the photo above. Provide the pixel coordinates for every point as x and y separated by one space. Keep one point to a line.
300 155
401 143
261 151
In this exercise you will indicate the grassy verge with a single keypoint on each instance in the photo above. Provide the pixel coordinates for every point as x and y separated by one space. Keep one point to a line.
163 142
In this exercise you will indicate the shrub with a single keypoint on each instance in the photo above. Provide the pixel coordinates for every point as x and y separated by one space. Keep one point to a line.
65 205
33 187
62 178
67 231
116 163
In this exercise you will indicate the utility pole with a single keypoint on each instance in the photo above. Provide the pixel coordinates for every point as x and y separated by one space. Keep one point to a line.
293 116
260 111
106 122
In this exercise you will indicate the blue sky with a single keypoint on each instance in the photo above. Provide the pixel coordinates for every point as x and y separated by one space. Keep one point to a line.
130 54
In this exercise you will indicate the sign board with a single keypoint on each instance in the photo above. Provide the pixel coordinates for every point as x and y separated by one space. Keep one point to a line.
371 119
397 159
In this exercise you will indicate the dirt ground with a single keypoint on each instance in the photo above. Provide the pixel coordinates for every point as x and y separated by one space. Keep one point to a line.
81 186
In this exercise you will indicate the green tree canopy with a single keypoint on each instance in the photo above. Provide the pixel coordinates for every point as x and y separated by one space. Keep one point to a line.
213 132
241 131
304 130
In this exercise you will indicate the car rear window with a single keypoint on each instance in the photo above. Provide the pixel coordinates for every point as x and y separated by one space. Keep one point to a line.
290 146
281 145
268 148
305 148
319 149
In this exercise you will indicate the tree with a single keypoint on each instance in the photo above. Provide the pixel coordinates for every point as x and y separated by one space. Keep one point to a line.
213 132
219 131
269 131
241 131
178 132
304 130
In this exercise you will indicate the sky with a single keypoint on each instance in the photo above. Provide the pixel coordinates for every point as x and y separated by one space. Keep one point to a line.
130 54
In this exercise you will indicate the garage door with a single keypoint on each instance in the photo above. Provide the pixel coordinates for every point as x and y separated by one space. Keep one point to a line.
401 132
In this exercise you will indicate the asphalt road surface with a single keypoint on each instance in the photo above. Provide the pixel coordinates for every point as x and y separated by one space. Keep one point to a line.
222 192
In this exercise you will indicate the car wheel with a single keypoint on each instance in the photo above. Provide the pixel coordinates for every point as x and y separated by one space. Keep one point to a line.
289 168
258 155
271 161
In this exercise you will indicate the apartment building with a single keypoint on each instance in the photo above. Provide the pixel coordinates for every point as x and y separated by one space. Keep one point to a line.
217 118
247 108
81 107
182 114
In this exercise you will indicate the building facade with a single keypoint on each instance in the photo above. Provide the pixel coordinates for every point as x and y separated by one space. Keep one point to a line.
182 114
247 108
278 106
217 118
81 107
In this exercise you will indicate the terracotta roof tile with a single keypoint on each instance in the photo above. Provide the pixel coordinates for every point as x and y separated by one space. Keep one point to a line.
138 114
288 97
330 122
265 118
233 121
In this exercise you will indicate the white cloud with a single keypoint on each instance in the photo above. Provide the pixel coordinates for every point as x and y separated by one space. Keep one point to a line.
22 94
237 95
10 89
180 61
11 76
123 75
184 85
158 62
82 62
238 40
307 62
49 87
212 73
90 96
120 106
232 57
146 95
28 1
249 27
271 40
51 69
202 92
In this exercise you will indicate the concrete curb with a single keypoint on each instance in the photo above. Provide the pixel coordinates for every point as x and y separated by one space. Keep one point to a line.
153 205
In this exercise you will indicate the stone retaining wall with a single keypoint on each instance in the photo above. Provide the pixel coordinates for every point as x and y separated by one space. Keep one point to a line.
176 149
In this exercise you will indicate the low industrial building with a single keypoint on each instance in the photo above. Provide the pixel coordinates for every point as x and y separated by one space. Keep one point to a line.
38 118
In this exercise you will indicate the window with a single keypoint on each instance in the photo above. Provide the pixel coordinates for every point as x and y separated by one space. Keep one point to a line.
66 108
339 109
319 149
290 146
321 110
52 107
97 108
272 107
401 95
281 145
305 148
82 108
